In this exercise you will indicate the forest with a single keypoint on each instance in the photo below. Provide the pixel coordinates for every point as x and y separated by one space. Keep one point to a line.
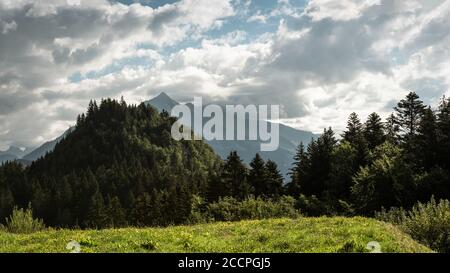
120 167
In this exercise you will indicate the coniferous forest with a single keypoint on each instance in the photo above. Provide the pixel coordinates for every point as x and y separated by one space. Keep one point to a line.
120 167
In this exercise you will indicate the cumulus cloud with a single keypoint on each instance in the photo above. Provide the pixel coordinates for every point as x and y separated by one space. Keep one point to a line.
330 64
43 43
322 62
338 10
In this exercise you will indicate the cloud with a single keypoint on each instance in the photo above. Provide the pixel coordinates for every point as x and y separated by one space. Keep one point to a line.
338 10
43 43
325 65
320 62
258 17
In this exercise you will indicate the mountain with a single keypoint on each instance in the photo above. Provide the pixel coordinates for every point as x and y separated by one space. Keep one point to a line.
7 157
45 148
162 102
13 153
118 166
290 138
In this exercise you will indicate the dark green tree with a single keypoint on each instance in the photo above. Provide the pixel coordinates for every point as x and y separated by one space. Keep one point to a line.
409 112
98 215
387 182
443 133
355 136
274 180
321 157
374 131
342 172
354 130
392 129
116 214
427 141
299 171
234 176
257 176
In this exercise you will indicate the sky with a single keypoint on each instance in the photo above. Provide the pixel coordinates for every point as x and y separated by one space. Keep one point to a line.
319 60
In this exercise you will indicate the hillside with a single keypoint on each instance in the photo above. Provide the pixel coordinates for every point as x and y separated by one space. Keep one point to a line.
118 166
336 234
289 140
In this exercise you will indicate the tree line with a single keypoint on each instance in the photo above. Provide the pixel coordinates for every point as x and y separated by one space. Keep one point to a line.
377 164
120 167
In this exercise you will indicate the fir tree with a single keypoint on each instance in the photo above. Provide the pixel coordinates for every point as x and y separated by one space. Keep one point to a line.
320 152
426 141
98 215
274 180
392 129
115 212
354 130
257 176
443 132
354 135
374 131
409 112
298 171
235 177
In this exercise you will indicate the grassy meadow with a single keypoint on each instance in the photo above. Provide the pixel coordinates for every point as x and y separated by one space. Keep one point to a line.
322 235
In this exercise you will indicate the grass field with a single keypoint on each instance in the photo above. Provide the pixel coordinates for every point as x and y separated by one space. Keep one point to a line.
335 234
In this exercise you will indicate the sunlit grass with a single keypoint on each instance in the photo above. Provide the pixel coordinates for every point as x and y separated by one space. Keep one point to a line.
336 234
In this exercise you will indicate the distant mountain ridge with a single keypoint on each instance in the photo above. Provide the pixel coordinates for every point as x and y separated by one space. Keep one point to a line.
13 153
162 102
46 147
290 138
27 155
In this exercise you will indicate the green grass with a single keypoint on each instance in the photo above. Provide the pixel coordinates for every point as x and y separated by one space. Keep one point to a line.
336 234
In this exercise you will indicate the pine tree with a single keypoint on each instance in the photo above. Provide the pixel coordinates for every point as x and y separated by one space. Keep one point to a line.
274 179
180 203
354 135
321 155
142 211
98 215
409 112
343 169
299 171
374 131
6 203
354 130
426 141
392 129
257 176
116 213
235 177
443 132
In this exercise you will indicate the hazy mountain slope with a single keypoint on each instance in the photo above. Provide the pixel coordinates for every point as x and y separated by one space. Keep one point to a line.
162 102
13 153
45 148
16 151
289 139
7 157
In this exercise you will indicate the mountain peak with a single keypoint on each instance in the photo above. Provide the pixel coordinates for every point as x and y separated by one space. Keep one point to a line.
163 95
162 102
15 151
